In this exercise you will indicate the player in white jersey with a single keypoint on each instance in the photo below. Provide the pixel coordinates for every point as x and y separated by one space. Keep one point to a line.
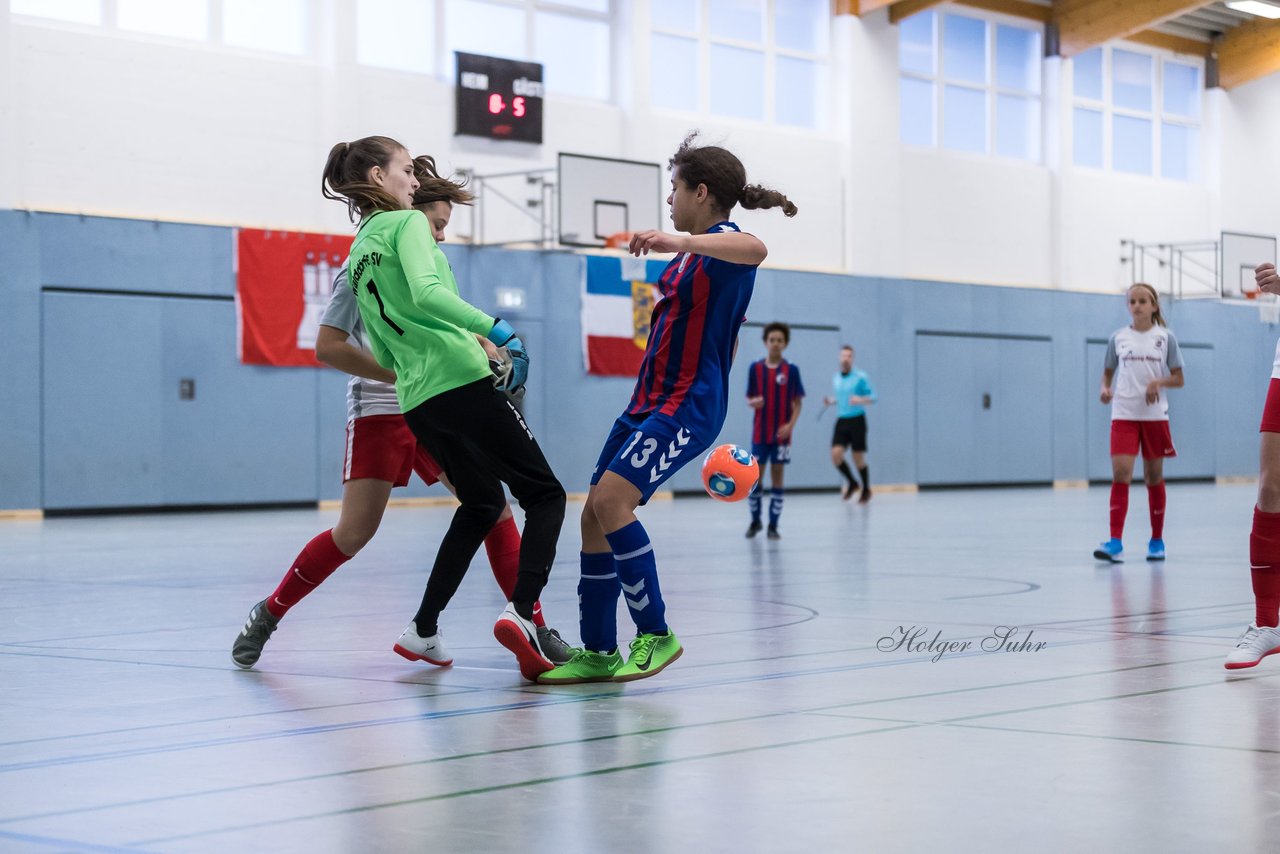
1143 359
1262 637
381 454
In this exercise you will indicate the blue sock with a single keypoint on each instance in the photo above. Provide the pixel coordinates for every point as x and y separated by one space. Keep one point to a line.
775 506
753 502
638 573
598 590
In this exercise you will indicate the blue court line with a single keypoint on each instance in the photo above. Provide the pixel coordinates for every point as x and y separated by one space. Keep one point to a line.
459 691
1100 621
599 772
480 710
66 844
818 710
829 710
959 722
289 733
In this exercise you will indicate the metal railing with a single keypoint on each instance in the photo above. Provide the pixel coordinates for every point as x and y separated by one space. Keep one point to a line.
1183 270
503 215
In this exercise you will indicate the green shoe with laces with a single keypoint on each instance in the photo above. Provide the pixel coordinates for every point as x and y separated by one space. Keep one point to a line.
584 666
649 655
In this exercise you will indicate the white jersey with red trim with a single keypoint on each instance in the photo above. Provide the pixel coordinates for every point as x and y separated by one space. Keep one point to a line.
1275 365
364 396
1137 358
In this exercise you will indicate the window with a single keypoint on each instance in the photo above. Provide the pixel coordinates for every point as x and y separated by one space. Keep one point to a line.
397 34
758 60
279 26
75 11
970 84
490 29
574 53
569 37
1136 112
185 19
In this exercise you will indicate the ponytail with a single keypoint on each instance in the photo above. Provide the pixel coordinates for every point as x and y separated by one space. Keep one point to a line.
346 175
755 197
432 187
725 177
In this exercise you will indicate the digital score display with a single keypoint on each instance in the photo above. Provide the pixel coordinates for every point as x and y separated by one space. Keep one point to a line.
498 98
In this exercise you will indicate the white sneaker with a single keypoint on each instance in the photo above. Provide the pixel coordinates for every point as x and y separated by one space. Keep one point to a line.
415 648
1254 645
521 637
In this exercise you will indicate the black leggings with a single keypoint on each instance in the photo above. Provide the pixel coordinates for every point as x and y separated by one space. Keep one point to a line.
481 441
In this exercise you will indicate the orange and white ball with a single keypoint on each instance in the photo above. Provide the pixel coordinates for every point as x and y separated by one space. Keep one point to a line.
729 473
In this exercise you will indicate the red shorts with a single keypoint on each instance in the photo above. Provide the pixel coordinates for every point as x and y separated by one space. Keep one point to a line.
1152 437
1271 409
382 447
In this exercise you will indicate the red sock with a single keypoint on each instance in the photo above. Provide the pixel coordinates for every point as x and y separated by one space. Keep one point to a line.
1264 560
1156 501
316 562
503 548
1119 509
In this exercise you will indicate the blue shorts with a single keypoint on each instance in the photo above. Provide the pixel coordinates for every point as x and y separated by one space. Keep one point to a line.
774 452
647 451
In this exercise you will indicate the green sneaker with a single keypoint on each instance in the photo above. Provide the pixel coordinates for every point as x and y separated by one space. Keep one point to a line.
585 666
649 655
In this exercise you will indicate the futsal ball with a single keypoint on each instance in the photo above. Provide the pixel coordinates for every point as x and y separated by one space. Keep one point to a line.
729 473
501 367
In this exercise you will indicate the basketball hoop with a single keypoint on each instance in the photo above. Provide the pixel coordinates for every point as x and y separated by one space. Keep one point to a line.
618 240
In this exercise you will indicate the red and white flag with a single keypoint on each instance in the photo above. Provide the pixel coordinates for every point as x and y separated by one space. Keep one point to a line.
618 296
283 282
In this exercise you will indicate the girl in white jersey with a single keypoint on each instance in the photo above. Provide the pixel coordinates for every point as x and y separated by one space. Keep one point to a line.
381 453
1262 637
1143 359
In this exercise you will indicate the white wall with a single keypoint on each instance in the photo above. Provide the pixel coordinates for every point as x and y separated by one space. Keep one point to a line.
96 122
1250 153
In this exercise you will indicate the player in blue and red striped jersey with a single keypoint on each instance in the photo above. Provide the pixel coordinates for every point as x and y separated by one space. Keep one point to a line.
676 411
775 392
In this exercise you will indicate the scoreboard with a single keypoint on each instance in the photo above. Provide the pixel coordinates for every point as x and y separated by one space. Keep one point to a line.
498 98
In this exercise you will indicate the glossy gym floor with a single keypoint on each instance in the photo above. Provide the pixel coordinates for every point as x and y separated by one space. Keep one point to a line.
797 719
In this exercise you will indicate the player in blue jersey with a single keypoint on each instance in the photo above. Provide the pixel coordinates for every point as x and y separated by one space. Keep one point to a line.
851 392
775 392
676 411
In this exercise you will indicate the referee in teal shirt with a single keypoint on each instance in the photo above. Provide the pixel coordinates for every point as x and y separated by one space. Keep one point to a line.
851 393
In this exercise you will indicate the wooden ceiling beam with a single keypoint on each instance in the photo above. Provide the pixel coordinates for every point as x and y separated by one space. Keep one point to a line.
1177 44
906 8
1249 51
1016 8
1083 24
865 6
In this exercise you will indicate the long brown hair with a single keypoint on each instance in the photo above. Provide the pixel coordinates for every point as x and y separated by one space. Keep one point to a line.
346 175
433 187
1156 316
725 177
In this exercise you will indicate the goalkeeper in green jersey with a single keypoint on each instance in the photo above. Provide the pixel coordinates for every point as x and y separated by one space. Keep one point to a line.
419 328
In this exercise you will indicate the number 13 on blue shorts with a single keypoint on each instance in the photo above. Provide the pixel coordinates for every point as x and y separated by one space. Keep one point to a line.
647 452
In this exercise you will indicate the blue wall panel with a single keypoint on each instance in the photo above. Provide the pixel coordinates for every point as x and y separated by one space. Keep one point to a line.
20 416
118 435
1097 414
571 412
1193 416
135 255
104 430
1021 415
249 435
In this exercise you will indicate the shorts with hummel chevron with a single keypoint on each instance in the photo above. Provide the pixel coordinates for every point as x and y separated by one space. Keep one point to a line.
647 451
